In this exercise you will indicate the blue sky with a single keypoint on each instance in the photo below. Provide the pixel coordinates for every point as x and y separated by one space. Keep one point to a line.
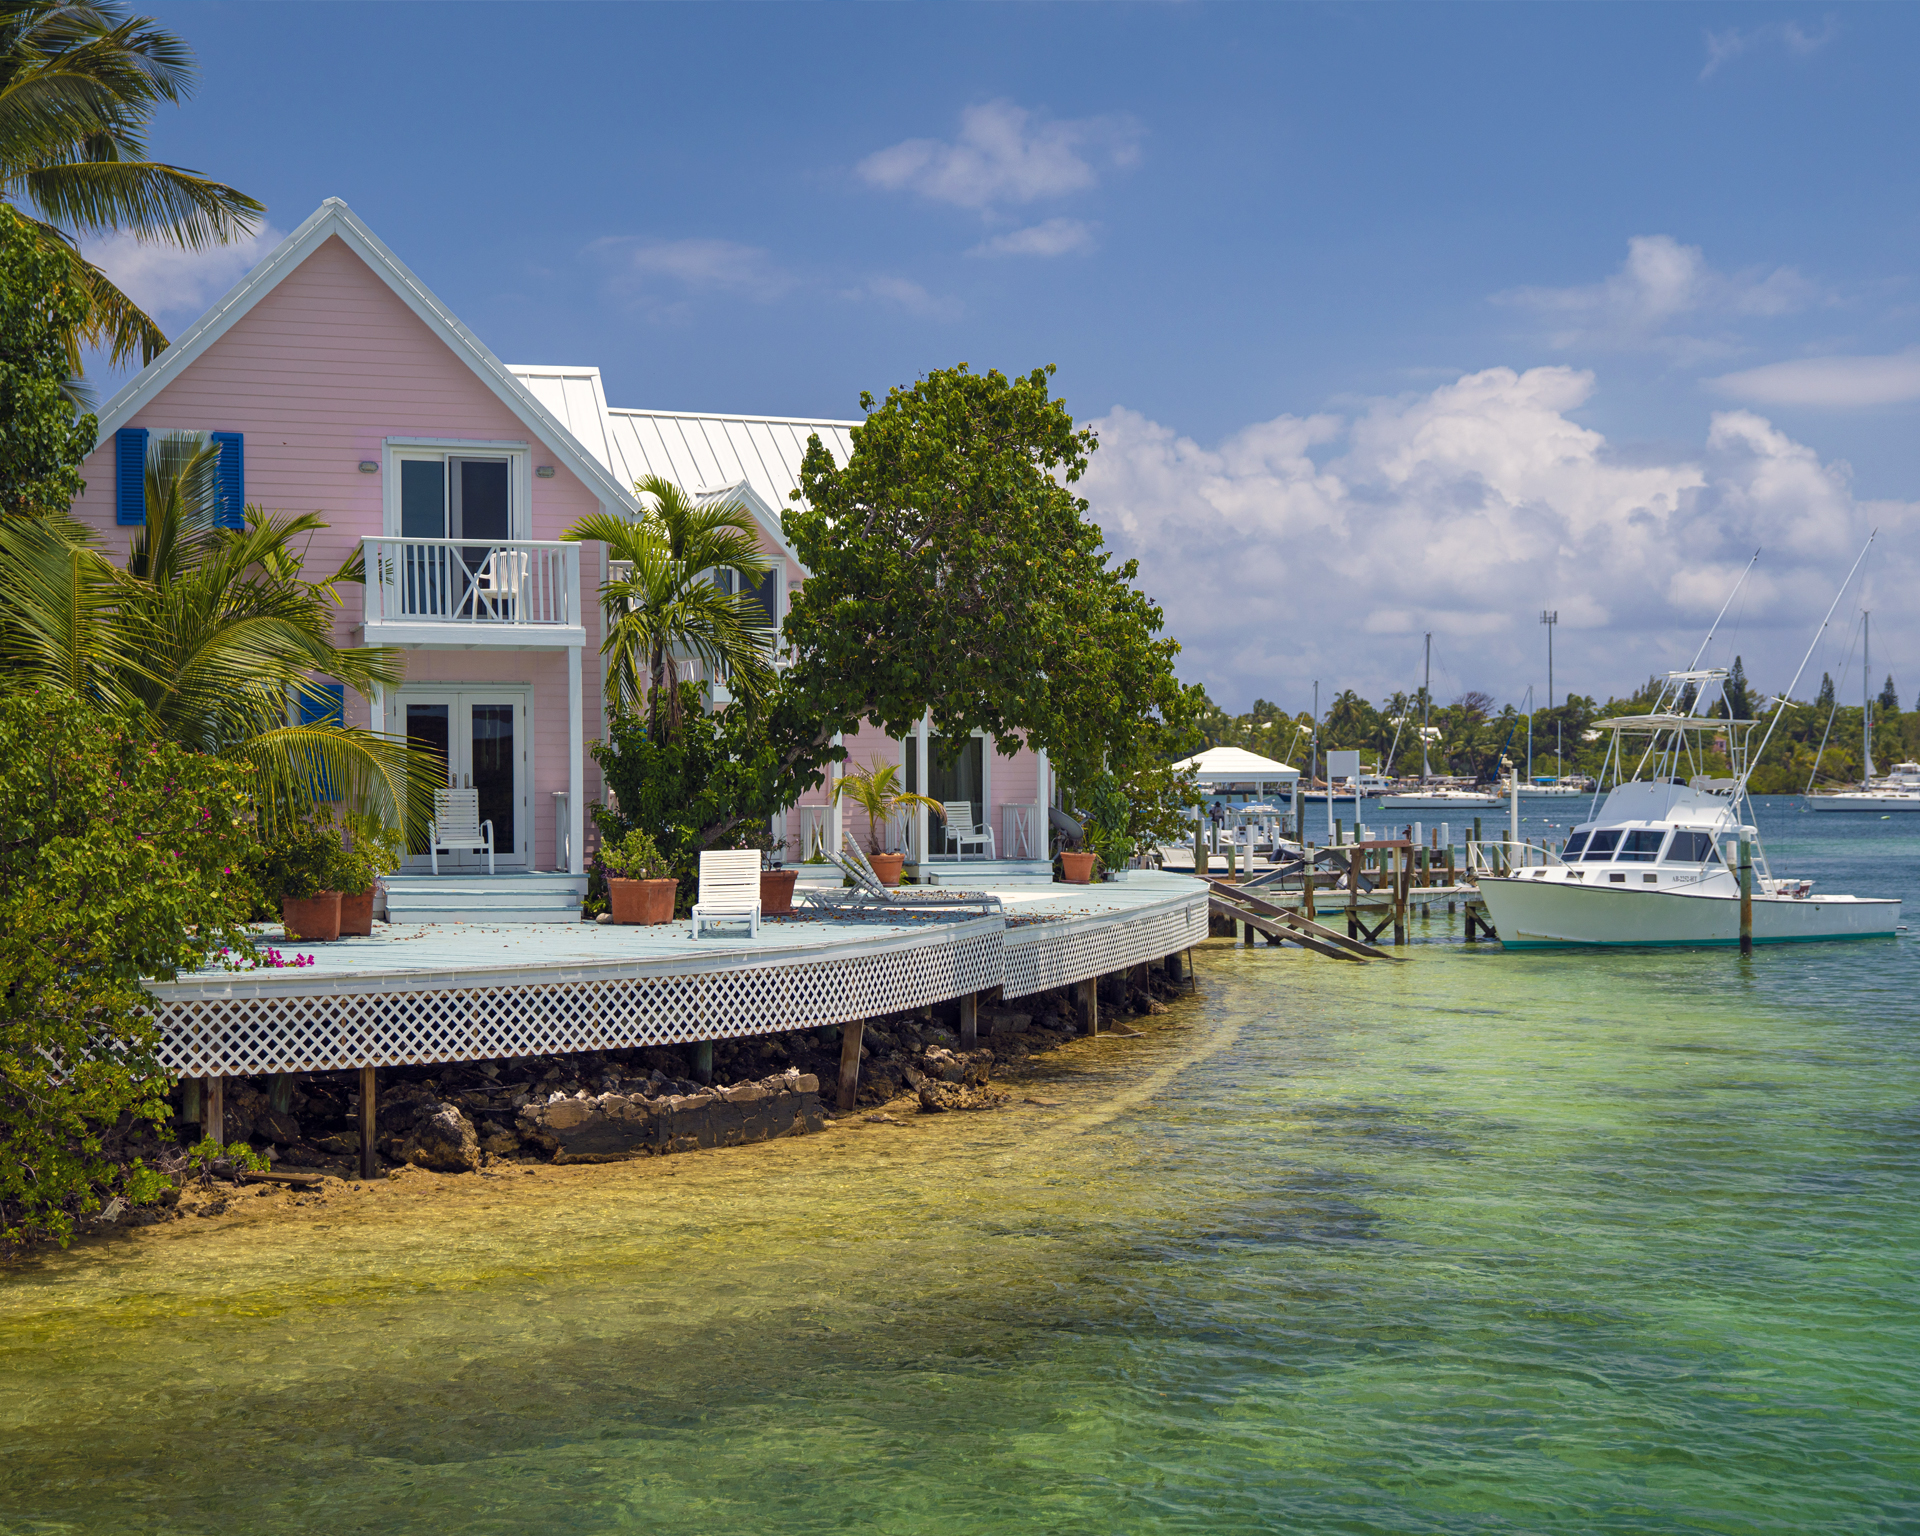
1392 318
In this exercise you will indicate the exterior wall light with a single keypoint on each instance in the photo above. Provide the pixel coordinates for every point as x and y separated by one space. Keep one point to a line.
544 471
369 466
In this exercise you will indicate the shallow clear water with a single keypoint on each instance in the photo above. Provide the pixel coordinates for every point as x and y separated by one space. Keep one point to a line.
1537 1242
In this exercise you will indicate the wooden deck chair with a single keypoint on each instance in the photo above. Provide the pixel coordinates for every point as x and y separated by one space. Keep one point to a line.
961 829
457 826
729 890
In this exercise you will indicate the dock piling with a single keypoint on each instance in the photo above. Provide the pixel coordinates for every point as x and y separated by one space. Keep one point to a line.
1746 893
969 1021
850 1033
214 1122
1087 995
369 1118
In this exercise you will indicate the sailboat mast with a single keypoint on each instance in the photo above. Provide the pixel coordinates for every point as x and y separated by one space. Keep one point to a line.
1866 697
1426 701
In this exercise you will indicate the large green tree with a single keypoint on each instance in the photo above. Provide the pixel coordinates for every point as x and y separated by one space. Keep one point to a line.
42 438
80 81
953 572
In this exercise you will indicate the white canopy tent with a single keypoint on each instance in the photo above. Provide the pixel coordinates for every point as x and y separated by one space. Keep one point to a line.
1222 770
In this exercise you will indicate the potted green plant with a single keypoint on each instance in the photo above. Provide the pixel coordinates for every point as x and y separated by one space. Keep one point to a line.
640 882
876 790
372 850
1076 865
302 866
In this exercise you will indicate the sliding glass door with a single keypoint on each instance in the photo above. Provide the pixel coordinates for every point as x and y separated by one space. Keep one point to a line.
481 736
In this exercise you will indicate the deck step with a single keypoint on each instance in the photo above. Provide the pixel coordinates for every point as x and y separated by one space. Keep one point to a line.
476 898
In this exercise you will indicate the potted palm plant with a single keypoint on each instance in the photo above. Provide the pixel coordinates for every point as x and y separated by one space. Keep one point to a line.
640 882
876 790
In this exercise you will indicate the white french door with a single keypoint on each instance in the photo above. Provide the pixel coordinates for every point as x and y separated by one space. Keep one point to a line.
483 737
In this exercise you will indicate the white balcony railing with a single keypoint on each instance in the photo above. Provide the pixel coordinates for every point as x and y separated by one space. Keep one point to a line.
460 591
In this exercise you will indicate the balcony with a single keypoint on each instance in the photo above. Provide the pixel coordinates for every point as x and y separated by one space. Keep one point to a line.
461 594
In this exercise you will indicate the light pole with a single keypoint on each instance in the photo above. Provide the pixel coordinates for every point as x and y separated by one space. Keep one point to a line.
1549 617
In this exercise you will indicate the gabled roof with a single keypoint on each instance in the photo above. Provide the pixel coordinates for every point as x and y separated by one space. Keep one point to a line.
331 218
755 459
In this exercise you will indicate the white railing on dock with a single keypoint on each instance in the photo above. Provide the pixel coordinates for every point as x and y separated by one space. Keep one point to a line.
479 586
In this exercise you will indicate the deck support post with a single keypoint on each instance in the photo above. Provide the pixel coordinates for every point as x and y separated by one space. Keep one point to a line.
1473 927
1746 894
369 1118
969 1021
703 1061
850 1033
1174 966
214 1121
191 1099
281 1099
1087 995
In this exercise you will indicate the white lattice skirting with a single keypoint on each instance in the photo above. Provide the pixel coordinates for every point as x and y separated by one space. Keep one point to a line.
249 1024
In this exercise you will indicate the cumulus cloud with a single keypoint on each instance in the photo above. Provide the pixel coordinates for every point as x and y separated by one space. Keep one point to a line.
1661 284
1005 154
1829 381
1323 547
697 266
1725 46
166 280
1053 237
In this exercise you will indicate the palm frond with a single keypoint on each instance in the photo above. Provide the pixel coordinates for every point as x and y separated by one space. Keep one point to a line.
154 201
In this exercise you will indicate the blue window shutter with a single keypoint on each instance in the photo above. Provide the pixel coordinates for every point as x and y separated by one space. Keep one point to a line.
333 712
130 477
233 478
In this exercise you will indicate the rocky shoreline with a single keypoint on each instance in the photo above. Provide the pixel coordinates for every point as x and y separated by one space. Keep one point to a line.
601 1107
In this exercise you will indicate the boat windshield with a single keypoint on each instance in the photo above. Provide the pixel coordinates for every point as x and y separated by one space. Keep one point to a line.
1574 844
1691 848
1601 845
1643 846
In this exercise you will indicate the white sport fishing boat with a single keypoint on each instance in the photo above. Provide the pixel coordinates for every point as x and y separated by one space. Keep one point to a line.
1440 797
1656 862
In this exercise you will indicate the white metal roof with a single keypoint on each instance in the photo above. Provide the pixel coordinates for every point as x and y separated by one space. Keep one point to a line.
1233 765
710 453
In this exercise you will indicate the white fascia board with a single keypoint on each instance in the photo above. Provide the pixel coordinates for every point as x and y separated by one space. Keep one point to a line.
334 217
768 519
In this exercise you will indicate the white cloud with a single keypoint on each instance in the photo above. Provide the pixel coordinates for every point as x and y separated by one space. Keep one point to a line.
166 280
1726 46
1660 284
1829 381
1052 237
1005 154
904 293
1322 547
696 266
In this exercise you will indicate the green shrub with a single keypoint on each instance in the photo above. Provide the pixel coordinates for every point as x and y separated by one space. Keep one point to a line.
302 858
635 857
119 861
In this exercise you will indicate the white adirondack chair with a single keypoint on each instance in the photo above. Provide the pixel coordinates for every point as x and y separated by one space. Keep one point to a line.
500 581
457 826
962 830
729 890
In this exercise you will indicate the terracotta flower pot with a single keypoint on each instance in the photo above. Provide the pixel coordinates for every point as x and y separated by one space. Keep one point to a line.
888 866
776 891
356 912
642 901
316 918
1077 866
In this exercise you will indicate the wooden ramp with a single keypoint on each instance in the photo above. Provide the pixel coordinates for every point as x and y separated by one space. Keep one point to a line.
1277 922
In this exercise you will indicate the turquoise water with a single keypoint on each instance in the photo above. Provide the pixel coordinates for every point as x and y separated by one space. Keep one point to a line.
1542 1242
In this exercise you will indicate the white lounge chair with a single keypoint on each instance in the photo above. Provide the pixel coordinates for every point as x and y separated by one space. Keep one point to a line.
457 826
961 829
729 890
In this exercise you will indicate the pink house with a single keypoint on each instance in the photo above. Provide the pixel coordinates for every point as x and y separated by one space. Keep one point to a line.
335 382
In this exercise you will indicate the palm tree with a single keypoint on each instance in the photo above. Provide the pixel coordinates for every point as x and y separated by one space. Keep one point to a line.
213 636
875 789
664 608
79 83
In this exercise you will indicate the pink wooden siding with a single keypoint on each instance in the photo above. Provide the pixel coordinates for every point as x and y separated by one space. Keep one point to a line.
317 375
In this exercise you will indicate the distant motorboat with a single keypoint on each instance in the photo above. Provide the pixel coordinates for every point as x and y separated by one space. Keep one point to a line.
1898 791
1369 786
